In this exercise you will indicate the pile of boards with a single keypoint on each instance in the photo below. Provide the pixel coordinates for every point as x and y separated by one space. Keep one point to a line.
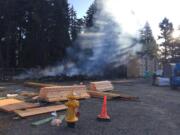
94 89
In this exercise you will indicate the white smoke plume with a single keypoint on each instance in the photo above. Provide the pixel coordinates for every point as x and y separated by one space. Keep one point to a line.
98 49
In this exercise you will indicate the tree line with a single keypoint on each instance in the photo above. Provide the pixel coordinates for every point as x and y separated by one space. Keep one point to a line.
36 33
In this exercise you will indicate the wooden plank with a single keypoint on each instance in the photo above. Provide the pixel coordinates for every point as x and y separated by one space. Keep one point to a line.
60 93
38 85
17 106
9 101
110 95
40 110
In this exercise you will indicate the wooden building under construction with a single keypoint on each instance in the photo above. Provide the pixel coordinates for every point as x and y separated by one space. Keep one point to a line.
141 66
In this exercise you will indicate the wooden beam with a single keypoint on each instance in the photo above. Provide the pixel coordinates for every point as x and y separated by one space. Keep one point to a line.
110 95
40 110
38 85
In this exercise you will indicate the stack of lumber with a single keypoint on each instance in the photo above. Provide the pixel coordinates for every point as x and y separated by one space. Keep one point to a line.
40 110
38 85
110 95
10 105
60 93
101 86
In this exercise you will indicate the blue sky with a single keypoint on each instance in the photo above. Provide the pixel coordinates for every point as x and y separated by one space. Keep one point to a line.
81 6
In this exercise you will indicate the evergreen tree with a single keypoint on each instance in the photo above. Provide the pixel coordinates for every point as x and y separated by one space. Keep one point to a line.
148 42
80 24
166 28
73 28
89 19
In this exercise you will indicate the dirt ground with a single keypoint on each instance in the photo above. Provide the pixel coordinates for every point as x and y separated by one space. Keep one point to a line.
156 113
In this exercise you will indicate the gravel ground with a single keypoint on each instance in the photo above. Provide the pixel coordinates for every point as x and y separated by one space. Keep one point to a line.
156 113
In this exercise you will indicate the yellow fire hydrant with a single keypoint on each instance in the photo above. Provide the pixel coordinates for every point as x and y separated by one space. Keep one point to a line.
73 105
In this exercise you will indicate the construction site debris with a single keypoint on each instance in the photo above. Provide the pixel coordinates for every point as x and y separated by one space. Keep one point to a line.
12 95
35 98
40 110
60 93
101 86
57 120
28 94
43 121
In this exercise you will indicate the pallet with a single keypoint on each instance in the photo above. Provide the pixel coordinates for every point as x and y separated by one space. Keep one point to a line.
40 110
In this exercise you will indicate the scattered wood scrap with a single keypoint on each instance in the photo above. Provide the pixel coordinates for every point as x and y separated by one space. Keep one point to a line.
28 94
60 93
110 95
9 105
101 86
40 110
38 85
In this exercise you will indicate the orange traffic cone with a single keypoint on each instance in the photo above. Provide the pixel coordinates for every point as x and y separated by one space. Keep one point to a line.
103 115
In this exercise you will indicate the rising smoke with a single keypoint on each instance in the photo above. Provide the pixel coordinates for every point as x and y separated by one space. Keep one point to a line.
98 49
